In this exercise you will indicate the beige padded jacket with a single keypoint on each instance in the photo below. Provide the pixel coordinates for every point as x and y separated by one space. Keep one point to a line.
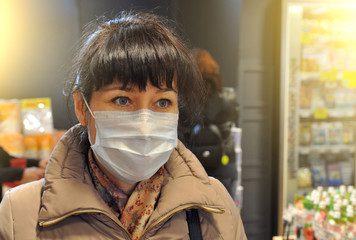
65 205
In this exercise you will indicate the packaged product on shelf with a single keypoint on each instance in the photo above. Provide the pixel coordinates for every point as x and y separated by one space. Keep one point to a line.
350 97
348 132
318 99
304 178
318 172
310 60
350 102
305 133
10 120
31 147
347 171
330 98
322 210
305 96
45 146
13 143
349 78
334 174
37 116
320 220
326 214
41 146
335 223
334 133
350 222
340 102
319 134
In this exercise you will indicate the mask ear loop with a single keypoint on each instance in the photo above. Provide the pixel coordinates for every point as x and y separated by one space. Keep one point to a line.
86 103
92 114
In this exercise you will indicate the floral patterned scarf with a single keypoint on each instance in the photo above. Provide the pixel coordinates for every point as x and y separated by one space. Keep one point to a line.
133 211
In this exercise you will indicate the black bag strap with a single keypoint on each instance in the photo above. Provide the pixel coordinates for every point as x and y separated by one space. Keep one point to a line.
194 224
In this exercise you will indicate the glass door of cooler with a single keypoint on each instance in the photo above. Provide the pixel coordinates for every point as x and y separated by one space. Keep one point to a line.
318 95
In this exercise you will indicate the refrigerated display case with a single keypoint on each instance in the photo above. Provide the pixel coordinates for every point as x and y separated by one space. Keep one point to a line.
318 95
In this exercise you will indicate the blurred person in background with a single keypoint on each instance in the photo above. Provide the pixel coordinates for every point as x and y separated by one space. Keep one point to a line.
33 169
211 139
122 173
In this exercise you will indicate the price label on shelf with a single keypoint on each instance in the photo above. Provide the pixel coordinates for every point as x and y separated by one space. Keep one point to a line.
320 113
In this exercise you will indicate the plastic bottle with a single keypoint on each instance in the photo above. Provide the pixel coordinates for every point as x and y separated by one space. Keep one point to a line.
340 224
345 203
334 215
350 189
350 230
320 219
342 191
327 202
309 210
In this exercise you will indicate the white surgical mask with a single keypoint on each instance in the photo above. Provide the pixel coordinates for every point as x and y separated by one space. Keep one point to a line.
134 145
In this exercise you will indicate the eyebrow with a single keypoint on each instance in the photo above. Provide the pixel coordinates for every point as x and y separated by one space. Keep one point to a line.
129 89
167 90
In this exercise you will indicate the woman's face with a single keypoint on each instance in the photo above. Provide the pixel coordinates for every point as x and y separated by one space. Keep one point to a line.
114 97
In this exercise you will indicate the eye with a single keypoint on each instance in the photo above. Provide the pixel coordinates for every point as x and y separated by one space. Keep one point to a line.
121 100
163 103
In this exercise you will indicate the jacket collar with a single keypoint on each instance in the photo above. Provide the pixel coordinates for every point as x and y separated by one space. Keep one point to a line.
68 186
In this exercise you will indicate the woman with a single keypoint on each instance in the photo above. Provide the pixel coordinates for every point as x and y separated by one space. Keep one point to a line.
219 116
121 173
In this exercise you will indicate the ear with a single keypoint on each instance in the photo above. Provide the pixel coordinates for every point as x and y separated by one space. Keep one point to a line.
80 108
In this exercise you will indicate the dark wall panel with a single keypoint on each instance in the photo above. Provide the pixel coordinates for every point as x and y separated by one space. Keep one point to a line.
40 39
213 25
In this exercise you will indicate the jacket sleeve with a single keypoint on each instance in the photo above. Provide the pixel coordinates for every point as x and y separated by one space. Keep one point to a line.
231 217
32 162
4 158
19 211
6 218
10 174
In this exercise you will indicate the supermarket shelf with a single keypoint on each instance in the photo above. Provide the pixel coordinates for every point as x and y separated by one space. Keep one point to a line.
306 115
326 149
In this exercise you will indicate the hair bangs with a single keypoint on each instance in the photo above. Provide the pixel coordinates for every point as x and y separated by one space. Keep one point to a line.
134 56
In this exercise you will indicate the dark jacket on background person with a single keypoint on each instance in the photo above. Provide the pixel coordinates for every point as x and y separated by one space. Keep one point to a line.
220 111
66 205
12 174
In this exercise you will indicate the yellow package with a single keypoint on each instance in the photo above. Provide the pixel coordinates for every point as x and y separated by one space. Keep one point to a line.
31 147
36 116
13 144
45 145
10 120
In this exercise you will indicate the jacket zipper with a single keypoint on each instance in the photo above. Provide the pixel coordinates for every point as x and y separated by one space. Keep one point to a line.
57 220
211 210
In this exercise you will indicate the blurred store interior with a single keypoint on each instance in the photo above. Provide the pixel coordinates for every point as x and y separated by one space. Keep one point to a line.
37 40
263 47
